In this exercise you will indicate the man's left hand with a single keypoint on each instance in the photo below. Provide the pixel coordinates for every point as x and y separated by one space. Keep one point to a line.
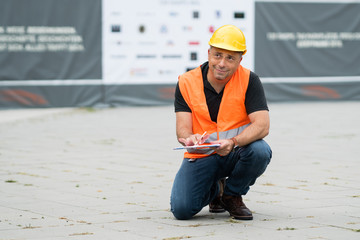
226 146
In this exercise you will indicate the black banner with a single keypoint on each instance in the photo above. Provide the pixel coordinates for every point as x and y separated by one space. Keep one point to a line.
50 39
307 39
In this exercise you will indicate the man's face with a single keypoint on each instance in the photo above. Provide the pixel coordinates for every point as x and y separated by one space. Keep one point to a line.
222 63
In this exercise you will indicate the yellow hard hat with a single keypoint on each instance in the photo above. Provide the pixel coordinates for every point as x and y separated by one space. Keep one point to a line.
230 38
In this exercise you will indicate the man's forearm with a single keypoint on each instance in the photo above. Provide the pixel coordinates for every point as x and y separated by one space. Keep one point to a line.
183 125
258 129
251 134
182 133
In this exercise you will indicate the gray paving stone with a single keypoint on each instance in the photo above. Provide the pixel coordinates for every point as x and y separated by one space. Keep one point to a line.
80 174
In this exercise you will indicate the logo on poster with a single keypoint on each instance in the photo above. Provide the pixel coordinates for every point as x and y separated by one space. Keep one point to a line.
211 29
163 29
141 28
115 28
138 72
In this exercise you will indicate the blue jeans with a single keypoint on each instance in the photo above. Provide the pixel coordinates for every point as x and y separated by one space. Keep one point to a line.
196 183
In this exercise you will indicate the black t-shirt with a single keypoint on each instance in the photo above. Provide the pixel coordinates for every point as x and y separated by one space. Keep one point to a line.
254 99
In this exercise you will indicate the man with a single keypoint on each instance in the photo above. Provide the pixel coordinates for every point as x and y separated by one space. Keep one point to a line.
226 101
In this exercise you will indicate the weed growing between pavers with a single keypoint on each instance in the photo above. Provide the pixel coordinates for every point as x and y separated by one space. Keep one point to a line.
11 181
286 228
81 234
177 238
232 220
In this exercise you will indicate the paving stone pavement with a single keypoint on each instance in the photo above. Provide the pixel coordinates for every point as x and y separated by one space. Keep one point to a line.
82 173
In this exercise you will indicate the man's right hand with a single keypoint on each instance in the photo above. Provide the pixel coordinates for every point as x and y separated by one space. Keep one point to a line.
194 139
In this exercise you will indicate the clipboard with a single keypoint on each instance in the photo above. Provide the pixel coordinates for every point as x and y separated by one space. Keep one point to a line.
198 146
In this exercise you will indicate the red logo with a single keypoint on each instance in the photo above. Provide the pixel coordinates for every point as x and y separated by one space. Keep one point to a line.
211 29
194 43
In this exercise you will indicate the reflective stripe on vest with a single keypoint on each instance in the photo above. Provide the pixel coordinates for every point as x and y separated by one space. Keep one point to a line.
232 117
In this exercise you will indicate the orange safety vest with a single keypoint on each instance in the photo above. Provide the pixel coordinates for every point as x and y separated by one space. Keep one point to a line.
232 117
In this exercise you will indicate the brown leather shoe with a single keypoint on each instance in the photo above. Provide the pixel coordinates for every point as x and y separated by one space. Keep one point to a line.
215 205
236 207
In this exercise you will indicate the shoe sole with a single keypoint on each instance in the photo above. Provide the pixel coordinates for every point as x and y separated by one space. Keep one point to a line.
247 218
217 210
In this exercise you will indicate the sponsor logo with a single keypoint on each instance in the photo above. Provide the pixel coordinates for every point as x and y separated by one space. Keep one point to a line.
217 14
196 14
115 28
187 28
142 29
116 13
173 14
146 56
211 29
193 56
194 43
163 29
170 43
122 43
171 56
239 15
166 72
116 56
138 71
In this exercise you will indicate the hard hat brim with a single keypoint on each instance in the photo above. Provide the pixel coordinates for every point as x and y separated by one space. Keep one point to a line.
227 47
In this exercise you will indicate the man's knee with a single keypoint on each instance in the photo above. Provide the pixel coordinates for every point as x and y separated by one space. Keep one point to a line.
261 150
256 157
182 211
